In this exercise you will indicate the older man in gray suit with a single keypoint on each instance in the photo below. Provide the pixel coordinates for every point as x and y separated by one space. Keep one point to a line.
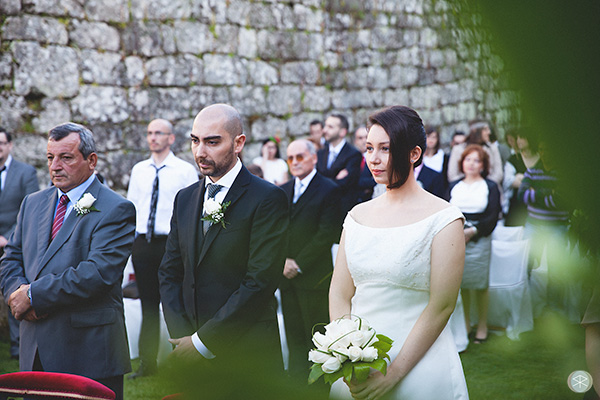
63 266
17 180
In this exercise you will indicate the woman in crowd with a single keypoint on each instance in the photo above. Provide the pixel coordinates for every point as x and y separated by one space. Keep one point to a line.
399 266
434 155
479 200
479 133
274 169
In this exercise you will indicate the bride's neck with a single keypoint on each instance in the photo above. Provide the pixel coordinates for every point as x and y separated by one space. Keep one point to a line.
404 192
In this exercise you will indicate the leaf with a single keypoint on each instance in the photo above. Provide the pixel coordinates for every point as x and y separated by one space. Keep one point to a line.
347 370
315 373
330 378
384 338
380 365
362 371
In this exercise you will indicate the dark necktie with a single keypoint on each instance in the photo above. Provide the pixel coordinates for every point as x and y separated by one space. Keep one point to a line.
212 189
60 215
1 170
153 203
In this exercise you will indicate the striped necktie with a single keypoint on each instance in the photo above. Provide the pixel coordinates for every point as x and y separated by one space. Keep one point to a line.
59 218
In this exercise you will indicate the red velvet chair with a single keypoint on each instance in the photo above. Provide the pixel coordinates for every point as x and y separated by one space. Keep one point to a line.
52 385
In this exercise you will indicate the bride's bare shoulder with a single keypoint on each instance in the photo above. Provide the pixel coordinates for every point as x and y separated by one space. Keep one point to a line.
361 211
433 203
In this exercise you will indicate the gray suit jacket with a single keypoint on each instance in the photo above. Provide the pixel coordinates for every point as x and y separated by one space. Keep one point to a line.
75 280
21 180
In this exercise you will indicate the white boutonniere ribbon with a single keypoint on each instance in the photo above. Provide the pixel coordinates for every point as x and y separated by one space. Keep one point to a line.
85 204
215 212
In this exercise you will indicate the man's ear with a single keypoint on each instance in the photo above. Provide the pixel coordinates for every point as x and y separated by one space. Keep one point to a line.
92 161
238 143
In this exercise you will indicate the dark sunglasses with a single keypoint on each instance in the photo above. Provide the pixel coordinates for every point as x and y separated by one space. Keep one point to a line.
299 158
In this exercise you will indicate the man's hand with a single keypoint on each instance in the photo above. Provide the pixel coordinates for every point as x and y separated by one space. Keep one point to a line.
3 241
291 268
32 316
19 302
185 350
342 174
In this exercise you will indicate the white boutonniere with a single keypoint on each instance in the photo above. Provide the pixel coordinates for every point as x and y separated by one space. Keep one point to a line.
215 212
85 204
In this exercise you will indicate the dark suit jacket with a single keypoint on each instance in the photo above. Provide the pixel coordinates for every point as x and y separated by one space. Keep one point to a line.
313 230
221 284
366 183
433 182
349 158
75 280
20 180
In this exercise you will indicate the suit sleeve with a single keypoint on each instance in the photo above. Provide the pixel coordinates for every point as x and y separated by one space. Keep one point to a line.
487 223
110 246
170 276
352 165
30 184
12 273
266 258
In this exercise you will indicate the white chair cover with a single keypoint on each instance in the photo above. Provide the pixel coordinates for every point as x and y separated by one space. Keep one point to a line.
510 300
133 324
507 233
458 326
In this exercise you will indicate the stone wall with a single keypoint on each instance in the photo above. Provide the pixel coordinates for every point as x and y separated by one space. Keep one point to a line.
116 64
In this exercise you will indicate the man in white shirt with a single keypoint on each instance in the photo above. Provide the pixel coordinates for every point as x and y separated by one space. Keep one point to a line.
152 188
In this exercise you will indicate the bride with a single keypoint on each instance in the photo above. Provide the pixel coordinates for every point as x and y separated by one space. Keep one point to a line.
399 266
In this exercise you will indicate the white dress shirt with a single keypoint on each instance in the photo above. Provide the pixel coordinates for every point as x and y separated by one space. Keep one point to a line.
5 172
334 152
226 181
302 184
176 175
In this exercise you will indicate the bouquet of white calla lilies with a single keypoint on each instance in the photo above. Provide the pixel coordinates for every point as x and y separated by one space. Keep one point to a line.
349 348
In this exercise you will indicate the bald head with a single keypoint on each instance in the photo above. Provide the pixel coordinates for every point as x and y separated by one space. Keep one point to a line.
230 119
217 140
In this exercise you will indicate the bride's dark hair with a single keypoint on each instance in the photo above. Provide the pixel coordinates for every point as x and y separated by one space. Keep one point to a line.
405 129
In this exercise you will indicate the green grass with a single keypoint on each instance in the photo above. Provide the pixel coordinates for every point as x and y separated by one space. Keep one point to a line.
535 367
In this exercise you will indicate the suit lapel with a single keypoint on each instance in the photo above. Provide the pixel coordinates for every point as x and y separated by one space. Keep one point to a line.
66 229
339 159
304 199
233 195
194 224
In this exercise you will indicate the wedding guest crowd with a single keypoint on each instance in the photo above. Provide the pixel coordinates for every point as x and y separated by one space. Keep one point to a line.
214 250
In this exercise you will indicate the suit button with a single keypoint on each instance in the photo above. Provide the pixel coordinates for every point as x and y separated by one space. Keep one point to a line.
192 286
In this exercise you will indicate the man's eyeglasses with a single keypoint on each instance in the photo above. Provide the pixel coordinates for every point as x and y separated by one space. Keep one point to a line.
158 133
299 158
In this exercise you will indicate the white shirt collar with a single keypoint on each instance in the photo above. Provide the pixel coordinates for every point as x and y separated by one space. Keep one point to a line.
227 180
7 162
167 161
338 148
307 179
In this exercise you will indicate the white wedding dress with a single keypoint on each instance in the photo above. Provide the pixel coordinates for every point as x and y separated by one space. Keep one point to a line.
391 270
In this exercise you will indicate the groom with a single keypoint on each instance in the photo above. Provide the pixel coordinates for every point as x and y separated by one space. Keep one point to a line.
217 280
